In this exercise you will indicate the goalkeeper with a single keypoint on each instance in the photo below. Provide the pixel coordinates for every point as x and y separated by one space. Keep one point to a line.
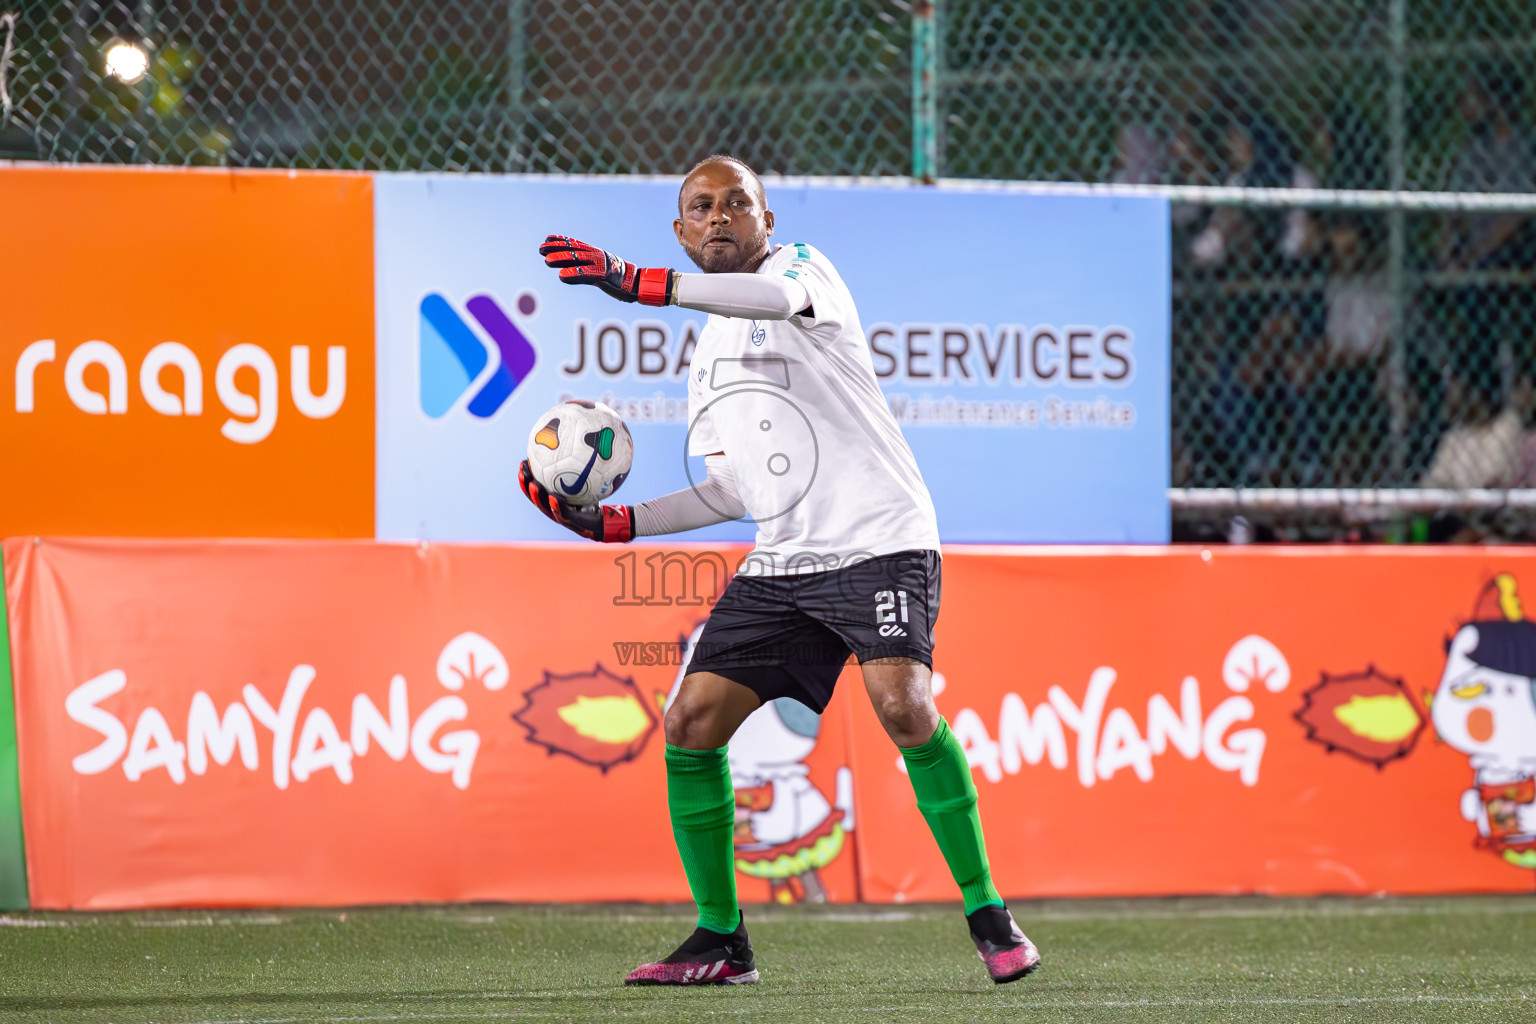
846 560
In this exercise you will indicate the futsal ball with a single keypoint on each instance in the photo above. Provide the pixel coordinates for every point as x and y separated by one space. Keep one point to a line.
581 451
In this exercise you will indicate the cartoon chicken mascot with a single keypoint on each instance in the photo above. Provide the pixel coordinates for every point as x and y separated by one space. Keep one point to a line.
1486 708
786 828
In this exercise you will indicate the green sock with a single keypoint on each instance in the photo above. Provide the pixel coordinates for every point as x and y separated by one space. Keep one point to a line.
947 797
703 817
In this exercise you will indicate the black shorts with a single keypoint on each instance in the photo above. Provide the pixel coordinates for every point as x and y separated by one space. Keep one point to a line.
789 636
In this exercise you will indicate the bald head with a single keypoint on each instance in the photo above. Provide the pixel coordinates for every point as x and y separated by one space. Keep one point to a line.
724 158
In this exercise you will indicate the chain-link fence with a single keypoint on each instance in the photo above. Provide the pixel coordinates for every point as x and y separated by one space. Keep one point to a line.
604 86
1317 344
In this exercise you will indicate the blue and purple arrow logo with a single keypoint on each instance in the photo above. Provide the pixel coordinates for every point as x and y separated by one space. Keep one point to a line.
453 356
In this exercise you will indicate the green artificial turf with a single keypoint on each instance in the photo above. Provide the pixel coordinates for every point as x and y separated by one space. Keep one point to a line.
1445 959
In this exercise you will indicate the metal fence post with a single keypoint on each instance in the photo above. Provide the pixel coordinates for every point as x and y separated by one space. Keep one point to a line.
146 117
517 111
1397 246
925 91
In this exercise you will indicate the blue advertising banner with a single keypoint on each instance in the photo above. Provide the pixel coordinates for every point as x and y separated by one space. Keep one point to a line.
1022 342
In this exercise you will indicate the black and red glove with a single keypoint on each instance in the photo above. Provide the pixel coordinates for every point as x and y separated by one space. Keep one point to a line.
580 263
610 524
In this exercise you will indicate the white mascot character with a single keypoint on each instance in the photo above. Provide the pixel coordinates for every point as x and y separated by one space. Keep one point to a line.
1486 708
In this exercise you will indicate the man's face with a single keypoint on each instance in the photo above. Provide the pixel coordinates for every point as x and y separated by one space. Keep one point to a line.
724 226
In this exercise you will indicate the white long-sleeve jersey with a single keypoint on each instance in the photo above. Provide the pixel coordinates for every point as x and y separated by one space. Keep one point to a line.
817 459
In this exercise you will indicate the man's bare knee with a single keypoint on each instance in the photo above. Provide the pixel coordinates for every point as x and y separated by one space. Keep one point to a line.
901 693
707 711
691 724
909 719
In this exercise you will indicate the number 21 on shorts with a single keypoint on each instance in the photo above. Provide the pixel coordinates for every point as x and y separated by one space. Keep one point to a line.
886 604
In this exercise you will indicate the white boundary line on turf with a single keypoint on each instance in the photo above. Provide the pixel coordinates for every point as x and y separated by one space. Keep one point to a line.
198 922
769 916
671 1010
110 917
1389 910
1257 1001
7 921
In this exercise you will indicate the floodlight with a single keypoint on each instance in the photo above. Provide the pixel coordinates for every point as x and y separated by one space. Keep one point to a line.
127 62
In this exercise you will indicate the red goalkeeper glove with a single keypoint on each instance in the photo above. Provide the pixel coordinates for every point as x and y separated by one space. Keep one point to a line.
580 263
610 524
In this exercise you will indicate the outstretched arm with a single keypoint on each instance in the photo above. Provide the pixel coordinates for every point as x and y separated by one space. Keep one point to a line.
748 296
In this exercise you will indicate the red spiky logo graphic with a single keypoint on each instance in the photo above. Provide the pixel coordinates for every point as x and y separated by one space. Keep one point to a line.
596 717
1366 715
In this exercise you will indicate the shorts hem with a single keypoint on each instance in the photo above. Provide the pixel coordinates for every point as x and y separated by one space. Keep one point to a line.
921 656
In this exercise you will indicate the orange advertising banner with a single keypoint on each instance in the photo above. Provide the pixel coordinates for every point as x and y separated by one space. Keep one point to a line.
290 722
1271 720
243 722
187 353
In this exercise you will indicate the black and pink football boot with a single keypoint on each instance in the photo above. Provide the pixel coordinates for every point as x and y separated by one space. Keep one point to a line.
1002 946
707 958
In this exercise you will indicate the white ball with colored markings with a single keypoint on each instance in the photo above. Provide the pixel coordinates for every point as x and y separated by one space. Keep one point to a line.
581 451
